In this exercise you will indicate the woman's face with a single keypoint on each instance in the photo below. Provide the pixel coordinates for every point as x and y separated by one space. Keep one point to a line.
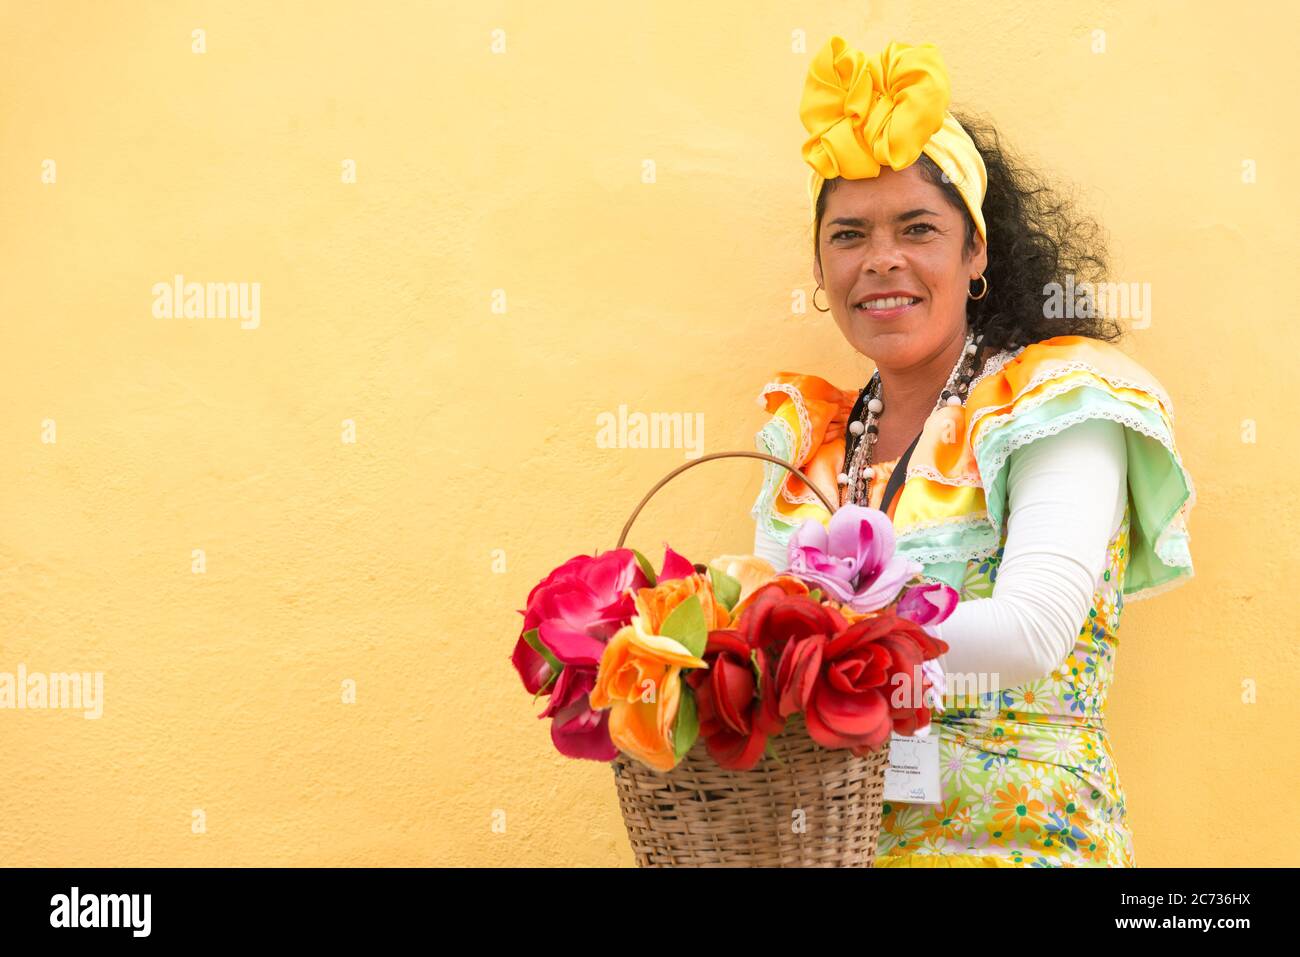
873 241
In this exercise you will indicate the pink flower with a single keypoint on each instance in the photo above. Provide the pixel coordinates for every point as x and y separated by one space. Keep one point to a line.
927 604
853 560
575 610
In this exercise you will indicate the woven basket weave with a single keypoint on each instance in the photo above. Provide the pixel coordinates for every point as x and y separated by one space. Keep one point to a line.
814 807
820 808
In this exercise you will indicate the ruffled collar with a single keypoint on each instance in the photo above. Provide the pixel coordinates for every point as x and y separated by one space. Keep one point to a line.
952 507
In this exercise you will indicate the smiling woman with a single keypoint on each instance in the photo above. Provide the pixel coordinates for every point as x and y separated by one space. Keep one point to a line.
1055 246
843 231
1025 460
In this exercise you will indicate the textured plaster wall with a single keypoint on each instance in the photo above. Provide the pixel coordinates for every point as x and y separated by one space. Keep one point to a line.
483 179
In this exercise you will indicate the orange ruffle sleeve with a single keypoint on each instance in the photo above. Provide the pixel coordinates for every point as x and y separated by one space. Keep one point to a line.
808 420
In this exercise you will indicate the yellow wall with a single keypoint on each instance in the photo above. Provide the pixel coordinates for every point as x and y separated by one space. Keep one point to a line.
379 561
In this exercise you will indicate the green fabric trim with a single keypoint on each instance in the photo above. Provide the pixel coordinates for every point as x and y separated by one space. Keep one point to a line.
956 541
773 440
1157 484
951 574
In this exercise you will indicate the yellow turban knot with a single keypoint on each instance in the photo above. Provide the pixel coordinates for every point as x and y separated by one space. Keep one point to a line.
866 113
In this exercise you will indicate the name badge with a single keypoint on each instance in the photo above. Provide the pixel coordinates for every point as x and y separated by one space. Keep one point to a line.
913 773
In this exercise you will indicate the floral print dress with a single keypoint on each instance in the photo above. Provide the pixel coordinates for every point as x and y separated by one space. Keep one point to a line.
1028 776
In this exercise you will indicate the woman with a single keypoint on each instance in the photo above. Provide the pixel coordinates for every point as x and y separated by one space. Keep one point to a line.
1040 479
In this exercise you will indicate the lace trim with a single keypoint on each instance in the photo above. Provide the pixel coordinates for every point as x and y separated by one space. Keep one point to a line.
782 479
1163 587
774 479
934 475
1172 528
993 365
1132 420
1023 405
953 554
801 410
1055 372
967 552
763 516
764 441
808 498
805 442
977 522
970 518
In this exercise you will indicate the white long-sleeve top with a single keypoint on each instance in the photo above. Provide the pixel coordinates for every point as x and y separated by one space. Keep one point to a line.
1066 495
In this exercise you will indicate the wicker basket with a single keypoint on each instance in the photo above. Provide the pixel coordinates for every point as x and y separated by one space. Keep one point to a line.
817 808
813 807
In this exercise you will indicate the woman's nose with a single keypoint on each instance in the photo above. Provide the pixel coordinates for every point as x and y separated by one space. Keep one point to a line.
882 257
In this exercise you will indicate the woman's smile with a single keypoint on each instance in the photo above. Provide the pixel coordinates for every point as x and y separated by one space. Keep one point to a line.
884 308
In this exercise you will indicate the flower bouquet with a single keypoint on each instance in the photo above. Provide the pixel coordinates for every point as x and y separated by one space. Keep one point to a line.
746 712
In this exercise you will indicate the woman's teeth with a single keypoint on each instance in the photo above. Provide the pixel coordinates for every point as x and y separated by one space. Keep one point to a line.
887 303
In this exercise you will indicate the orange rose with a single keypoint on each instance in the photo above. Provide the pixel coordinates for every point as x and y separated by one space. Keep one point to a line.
654 605
751 571
851 615
634 667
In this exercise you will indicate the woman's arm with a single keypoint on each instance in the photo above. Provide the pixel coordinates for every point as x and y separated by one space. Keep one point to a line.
1066 497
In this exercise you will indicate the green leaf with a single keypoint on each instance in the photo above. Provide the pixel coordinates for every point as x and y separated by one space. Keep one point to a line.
767 749
556 667
815 594
686 624
532 638
646 567
687 726
725 588
544 688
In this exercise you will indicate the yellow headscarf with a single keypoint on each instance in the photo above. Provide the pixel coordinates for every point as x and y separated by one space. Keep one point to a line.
863 113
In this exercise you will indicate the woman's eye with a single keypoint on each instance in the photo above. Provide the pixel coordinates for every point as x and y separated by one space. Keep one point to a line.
925 227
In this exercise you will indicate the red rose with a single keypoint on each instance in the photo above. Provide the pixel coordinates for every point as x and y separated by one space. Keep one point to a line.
739 711
734 723
844 683
774 617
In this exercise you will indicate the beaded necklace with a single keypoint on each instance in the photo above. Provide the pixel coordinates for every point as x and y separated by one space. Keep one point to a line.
855 480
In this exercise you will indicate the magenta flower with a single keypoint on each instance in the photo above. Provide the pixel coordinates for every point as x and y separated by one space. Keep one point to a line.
927 604
575 610
853 559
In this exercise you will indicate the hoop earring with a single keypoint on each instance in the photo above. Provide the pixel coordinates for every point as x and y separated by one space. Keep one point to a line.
983 292
814 300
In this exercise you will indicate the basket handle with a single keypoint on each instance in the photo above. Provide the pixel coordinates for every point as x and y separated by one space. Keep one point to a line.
721 455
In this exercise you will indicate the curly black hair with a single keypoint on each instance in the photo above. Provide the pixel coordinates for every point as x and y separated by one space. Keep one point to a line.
1034 239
